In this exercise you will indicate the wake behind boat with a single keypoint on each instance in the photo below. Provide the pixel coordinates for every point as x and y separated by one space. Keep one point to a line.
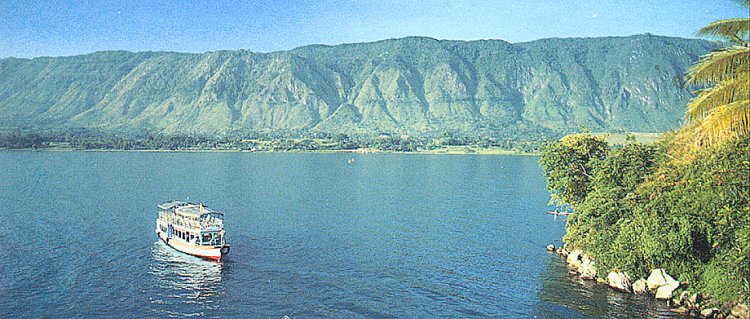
193 229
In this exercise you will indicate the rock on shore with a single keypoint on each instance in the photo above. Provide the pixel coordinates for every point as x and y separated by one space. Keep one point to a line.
587 269
741 311
659 283
574 258
620 281
662 283
640 287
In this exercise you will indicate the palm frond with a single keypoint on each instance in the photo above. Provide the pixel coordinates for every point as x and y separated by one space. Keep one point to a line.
725 92
721 111
724 123
718 66
734 30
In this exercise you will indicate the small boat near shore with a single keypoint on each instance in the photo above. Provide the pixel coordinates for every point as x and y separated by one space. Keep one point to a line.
193 229
558 213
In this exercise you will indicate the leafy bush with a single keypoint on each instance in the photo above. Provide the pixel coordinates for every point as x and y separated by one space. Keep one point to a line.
637 209
721 282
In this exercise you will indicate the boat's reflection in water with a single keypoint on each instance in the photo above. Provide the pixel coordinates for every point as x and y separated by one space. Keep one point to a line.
190 282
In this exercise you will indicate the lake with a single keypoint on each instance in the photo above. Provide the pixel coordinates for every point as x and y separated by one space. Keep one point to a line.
313 236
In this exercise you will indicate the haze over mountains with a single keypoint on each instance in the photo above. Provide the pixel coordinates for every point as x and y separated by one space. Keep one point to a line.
408 85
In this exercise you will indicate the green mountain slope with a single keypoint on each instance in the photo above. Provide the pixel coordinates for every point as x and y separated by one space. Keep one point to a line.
405 85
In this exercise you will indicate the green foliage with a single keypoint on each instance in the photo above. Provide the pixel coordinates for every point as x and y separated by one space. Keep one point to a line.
644 210
724 284
623 169
21 141
568 166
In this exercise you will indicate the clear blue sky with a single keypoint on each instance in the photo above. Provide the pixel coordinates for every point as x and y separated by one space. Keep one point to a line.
31 28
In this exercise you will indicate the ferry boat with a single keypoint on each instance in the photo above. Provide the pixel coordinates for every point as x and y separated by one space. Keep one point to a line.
193 229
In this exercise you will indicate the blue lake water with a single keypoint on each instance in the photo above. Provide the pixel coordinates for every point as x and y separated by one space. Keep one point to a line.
313 236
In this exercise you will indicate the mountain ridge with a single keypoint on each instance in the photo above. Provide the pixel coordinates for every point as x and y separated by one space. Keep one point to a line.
409 85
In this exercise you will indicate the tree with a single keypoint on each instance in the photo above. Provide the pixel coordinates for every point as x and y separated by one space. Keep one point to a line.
721 110
567 164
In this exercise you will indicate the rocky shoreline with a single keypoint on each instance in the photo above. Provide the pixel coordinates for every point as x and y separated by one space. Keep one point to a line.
659 284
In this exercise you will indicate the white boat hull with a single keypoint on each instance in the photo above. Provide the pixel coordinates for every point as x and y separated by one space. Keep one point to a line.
208 252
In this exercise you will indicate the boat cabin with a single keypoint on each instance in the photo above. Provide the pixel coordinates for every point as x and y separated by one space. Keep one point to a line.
193 223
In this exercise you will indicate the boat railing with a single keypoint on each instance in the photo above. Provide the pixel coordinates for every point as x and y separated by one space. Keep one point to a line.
186 223
212 224
207 226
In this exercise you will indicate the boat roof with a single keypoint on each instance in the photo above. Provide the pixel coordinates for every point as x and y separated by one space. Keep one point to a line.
186 208
173 204
195 210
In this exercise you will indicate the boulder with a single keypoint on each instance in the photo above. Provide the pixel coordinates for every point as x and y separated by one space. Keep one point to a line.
741 311
639 286
665 292
550 247
587 269
573 258
658 278
680 310
663 283
709 313
683 299
620 281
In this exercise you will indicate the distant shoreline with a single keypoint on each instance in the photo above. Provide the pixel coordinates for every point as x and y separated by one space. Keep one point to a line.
455 150
298 145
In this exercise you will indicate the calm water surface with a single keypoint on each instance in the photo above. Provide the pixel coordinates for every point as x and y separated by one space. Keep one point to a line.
313 236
